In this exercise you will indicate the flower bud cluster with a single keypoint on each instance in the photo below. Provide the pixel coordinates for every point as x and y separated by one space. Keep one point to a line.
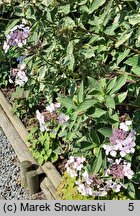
119 169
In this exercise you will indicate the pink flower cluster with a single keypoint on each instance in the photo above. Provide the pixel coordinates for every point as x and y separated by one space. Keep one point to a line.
90 185
50 114
122 142
74 164
18 75
17 37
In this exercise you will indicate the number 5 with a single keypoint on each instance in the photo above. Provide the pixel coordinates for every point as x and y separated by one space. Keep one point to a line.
131 207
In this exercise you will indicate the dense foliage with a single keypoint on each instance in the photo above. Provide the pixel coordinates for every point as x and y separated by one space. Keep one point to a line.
72 68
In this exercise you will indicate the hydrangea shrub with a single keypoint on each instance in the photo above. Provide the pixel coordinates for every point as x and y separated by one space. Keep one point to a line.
73 67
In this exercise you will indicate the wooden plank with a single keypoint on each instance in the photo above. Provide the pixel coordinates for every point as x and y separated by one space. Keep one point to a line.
46 191
17 123
17 143
52 173
51 188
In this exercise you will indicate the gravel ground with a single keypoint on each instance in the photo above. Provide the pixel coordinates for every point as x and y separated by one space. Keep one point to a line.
10 187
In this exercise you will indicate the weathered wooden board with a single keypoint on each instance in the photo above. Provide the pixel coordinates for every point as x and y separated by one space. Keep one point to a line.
46 191
47 183
52 173
17 143
13 118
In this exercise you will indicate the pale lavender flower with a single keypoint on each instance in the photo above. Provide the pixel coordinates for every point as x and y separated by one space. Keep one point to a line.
81 188
71 172
77 166
111 149
62 118
57 105
52 107
73 165
41 120
89 191
86 178
21 78
80 159
125 125
16 37
128 144
113 185
71 159
127 170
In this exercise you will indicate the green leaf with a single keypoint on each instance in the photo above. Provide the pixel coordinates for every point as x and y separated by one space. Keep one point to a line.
86 105
49 152
46 2
42 71
121 97
10 25
41 160
96 4
133 61
131 190
98 113
111 29
54 157
70 48
106 132
67 102
123 39
97 163
86 146
119 83
64 9
111 84
68 22
69 59
46 146
134 19
136 70
88 51
93 83
80 95
110 103
122 56
94 136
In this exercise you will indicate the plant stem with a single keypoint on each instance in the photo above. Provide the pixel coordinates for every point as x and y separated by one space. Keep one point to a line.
4 19
111 38
125 72
126 46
